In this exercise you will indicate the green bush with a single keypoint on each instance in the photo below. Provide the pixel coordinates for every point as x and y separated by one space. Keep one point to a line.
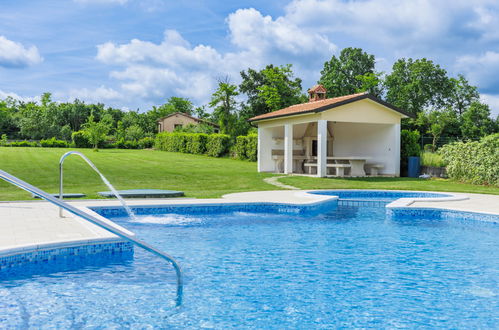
215 145
3 140
54 143
218 145
432 159
173 142
80 140
196 143
23 144
246 147
146 143
473 162
131 145
239 149
252 147
409 147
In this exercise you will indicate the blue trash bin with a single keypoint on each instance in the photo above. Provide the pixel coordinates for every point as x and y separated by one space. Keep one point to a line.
413 168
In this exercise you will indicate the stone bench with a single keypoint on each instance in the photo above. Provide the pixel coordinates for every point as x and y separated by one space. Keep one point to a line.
340 168
374 169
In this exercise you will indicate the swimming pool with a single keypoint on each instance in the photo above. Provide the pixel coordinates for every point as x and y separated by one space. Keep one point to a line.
272 267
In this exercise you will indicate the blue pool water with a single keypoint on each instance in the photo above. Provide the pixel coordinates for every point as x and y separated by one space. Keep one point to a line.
347 267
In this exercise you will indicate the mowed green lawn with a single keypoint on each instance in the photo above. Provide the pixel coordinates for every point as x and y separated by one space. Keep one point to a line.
195 175
198 176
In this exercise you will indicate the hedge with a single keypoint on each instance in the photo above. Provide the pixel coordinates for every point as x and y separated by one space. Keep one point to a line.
54 143
80 140
246 147
215 145
473 162
409 147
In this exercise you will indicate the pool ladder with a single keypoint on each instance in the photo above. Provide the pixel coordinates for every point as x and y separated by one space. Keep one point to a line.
32 189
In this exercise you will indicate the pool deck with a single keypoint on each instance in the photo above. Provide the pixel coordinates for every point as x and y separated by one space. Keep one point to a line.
36 225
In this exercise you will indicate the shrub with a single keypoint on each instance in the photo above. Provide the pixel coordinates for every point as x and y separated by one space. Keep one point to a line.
3 140
53 143
252 147
239 149
432 159
23 144
131 145
146 143
80 140
217 145
473 162
246 147
196 143
173 142
409 147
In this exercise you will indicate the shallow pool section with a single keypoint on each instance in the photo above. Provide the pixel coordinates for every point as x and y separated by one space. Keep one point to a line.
378 195
345 267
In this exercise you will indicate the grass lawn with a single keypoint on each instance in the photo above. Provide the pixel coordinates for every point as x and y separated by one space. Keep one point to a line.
387 183
198 176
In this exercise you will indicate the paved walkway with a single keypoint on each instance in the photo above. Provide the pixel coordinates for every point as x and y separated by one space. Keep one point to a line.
275 181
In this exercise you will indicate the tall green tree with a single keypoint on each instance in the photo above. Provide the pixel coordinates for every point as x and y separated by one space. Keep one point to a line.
96 131
351 71
270 89
438 123
417 85
462 94
224 105
476 121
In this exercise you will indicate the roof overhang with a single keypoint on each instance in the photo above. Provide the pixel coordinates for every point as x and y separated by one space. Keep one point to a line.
338 104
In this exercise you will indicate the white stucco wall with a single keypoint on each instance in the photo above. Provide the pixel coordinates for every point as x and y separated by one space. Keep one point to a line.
376 141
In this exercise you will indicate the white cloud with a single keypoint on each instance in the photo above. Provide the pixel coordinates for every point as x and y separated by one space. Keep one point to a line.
250 30
15 55
481 70
154 72
493 102
4 95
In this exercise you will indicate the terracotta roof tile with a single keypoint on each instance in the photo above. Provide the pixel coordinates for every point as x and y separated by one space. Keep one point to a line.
306 107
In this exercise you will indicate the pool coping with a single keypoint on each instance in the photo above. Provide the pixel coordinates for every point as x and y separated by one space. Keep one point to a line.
276 197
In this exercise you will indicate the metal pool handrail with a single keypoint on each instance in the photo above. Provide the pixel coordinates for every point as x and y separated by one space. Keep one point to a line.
32 189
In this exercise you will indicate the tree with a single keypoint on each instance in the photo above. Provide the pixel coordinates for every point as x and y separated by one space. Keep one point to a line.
224 103
134 133
417 85
476 121
96 132
436 123
371 83
343 75
270 89
462 94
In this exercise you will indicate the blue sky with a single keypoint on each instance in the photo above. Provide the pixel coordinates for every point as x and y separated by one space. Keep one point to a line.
136 53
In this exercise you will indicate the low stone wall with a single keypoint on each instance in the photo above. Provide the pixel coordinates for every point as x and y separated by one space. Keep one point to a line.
439 172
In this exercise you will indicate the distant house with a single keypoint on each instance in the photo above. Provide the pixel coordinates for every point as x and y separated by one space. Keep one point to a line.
180 119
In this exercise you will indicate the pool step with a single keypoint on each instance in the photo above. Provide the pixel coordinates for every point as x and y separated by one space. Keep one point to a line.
144 193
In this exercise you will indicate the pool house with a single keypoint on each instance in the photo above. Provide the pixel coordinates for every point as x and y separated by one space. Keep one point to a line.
353 135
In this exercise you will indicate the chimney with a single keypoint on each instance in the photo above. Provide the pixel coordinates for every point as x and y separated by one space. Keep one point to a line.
316 93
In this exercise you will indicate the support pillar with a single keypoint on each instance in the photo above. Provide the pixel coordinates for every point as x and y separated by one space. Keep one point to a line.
288 148
265 162
396 149
321 148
